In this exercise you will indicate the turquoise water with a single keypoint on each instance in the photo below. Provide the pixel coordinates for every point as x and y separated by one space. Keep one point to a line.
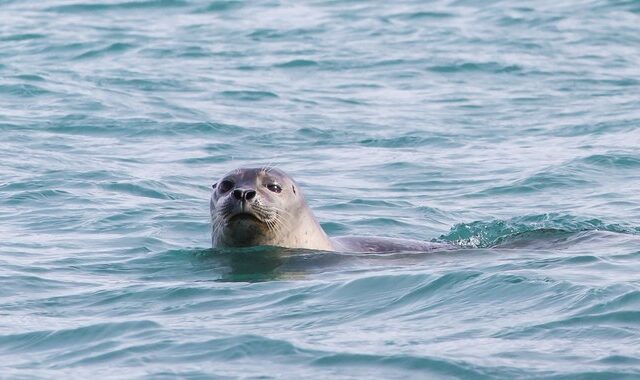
510 129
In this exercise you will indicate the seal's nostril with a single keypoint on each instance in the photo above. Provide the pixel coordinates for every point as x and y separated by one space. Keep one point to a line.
249 195
237 194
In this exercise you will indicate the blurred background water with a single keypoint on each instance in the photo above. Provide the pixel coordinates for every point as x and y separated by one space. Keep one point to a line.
509 128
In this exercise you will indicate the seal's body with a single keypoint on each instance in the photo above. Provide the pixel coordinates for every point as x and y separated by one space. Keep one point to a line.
258 206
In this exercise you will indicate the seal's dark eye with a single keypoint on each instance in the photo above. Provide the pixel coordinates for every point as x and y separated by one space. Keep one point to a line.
275 188
225 186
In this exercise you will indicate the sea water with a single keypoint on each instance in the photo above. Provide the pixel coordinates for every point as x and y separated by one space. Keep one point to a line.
510 129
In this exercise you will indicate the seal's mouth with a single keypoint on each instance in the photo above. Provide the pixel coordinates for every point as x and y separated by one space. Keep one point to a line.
244 216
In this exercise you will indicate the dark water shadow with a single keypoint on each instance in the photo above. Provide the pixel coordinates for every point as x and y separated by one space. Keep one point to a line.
266 263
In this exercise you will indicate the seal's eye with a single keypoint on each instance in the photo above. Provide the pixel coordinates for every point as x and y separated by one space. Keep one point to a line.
225 186
275 188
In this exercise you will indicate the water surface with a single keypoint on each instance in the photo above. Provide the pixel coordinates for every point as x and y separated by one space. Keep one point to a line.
509 129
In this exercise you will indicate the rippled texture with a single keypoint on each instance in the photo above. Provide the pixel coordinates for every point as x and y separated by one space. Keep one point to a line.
510 129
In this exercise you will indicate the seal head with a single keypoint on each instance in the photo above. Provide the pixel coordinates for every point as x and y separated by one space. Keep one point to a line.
259 206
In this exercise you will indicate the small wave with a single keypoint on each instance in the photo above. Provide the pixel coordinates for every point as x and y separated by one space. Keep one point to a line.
403 296
614 160
297 63
249 95
379 364
28 196
147 189
206 160
220 350
467 67
128 5
411 140
30 77
19 283
411 16
220 6
117 47
607 164
22 90
627 301
374 203
606 324
93 125
141 84
60 50
276 34
482 234
620 360
51 339
538 182
326 135
575 173
597 129
191 52
23 37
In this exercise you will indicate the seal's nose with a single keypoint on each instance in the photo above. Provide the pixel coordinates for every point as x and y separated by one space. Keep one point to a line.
246 195
249 194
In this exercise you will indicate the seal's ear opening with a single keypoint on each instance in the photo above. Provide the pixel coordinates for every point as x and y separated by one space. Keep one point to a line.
293 188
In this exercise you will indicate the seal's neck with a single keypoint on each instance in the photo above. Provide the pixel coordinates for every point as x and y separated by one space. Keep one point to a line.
307 234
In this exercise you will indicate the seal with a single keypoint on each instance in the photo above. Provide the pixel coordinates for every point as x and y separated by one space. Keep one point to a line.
264 206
